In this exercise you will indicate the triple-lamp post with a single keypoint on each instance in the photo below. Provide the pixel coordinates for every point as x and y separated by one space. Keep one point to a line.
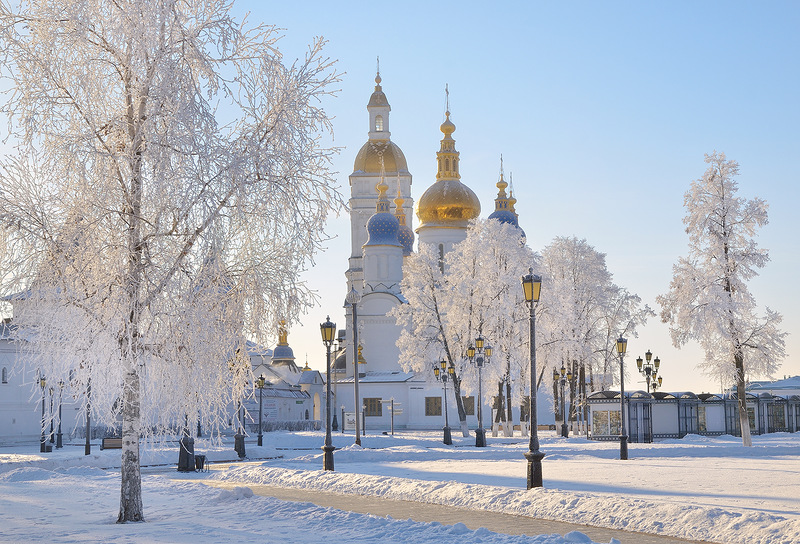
261 382
622 346
442 375
563 378
483 353
328 330
649 369
532 287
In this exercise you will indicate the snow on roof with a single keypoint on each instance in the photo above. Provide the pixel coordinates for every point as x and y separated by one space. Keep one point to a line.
792 382
381 377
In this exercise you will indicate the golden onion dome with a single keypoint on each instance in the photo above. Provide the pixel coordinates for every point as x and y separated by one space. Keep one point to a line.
448 203
368 159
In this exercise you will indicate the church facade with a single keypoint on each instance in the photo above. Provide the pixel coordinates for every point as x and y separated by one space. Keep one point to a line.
381 238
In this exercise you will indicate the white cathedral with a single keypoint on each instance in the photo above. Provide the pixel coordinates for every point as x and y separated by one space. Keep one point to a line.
381 238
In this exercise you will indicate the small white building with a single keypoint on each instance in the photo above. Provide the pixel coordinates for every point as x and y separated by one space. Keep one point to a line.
663 415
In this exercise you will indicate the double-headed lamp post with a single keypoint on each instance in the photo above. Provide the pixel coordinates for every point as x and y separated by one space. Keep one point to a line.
622 346
328 330
442 375
649 369
562 379
483 353
260 383
532 287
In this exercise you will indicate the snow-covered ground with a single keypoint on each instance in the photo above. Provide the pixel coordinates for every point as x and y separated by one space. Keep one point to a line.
697 488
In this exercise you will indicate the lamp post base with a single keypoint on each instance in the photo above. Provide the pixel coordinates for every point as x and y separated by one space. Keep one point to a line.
480 438
534 468
260 439
327 457
564 430
334 423
186 455
623 447
238 445
59 440
448 438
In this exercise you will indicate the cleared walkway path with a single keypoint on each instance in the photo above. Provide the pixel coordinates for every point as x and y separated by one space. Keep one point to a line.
449 515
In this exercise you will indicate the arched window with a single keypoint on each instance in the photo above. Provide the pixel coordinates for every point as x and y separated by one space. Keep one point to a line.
447 164
379 123
5 375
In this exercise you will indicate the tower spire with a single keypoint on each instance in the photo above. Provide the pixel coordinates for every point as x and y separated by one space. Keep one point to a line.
447 156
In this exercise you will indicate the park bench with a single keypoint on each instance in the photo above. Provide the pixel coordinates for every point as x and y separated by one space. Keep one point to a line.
111 443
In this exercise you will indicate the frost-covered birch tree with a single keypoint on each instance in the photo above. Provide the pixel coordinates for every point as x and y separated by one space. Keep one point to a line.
471 295
169 183
708 299
486 269
584 311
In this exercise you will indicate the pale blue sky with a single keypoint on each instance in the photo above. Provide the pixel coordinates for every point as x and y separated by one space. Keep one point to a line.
602 111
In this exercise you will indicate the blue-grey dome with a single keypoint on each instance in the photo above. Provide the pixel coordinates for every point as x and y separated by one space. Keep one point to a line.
406 238
505 216
282 352
382 230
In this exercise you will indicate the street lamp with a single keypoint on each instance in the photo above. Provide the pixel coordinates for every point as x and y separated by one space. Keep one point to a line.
339 342
328 330
59 442
43 440
483 353
352 299
649 369
443 375
622 346
260 383
562 379
532 287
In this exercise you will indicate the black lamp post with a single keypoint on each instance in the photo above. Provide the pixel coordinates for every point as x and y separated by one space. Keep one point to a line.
352 299
334 423
622 346
328 330
52 430
43 440
479 355
443 375
87 447
649 369
59 442
562 379
532 287
260 383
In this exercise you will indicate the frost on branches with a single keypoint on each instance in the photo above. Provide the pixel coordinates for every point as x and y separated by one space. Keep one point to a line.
584 312
708 299
169 184
475 291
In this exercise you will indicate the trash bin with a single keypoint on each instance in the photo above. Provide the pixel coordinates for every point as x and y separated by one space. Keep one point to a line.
199 462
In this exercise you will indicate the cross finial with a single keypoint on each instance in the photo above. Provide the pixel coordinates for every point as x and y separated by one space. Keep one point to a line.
447 97
379 65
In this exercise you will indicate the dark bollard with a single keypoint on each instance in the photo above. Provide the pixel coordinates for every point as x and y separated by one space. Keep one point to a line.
238 445
480 438
186 456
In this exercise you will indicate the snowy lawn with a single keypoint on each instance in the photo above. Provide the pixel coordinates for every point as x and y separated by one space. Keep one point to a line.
696 488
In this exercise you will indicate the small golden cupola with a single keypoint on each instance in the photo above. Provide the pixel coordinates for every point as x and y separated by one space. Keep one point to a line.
448 202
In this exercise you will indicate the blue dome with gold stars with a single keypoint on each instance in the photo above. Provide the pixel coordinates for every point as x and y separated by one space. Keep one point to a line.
382 227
